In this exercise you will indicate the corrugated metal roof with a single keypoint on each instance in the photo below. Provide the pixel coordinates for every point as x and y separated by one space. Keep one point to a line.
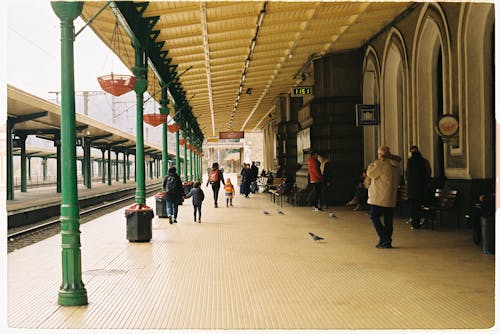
288 34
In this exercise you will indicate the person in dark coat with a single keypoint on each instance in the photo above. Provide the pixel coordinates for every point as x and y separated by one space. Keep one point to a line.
246 179
418 176
174 193
255 175
198 197
215 178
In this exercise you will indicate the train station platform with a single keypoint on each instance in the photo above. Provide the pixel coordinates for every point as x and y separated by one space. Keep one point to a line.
242 269
47 196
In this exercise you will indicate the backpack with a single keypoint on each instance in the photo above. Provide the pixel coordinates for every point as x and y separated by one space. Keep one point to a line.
213 177
171 185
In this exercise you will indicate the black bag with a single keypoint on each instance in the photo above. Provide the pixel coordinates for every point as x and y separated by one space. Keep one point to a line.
171 185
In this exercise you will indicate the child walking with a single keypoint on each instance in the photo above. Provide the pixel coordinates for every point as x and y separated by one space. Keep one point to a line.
198 197
229 190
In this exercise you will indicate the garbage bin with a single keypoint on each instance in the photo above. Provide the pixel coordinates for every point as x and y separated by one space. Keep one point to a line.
488 234
139 218
161 204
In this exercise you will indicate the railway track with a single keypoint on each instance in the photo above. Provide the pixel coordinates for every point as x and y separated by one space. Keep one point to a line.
23 236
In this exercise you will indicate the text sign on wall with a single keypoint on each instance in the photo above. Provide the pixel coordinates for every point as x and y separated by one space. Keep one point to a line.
301 91
367 114
231 135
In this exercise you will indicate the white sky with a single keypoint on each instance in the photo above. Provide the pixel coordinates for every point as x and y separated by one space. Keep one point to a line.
33 63
33 51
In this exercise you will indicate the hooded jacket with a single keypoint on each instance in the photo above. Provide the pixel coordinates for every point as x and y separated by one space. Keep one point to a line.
385 175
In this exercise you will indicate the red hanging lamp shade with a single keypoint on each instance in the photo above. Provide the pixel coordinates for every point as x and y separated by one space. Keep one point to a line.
173 127
182 141
155 119
116 84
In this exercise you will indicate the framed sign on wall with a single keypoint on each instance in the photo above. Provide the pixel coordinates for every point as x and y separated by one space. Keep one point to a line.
367 114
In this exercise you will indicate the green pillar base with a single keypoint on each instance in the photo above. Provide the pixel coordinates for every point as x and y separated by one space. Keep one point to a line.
76 297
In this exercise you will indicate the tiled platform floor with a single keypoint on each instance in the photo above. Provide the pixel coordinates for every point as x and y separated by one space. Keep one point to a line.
241 269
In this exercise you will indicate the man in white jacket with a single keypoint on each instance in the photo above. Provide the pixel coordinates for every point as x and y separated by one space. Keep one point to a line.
384 174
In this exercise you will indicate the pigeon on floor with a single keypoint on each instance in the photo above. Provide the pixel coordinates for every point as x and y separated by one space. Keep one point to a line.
315 237
266 212
332 215
280 212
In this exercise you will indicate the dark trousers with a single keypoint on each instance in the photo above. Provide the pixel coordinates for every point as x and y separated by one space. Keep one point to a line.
317 194
197 208
246 188
415 212
384 231
215 188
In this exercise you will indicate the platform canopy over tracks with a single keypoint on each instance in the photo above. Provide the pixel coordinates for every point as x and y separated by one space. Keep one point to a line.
242 54
34 116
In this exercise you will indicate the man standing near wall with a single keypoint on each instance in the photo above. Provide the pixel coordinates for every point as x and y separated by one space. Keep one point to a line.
315 178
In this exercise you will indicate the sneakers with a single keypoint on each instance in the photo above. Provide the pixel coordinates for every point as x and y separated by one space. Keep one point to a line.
175 220
199 221
316 209
170 219
356 208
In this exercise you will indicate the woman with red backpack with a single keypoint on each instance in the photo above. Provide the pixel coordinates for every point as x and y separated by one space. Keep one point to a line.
215 178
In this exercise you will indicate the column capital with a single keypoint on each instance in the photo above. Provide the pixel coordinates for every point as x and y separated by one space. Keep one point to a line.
67 10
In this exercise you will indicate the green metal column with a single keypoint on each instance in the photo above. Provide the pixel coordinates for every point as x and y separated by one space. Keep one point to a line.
117 176
10 161
140 72
124 167
86 158
177 153
103 166
22 143
185 158
191 175
29 168
109 166
58 162
44 168
128 167
150 163
72 291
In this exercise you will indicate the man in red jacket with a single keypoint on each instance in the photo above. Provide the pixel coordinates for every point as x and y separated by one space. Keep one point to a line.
315 178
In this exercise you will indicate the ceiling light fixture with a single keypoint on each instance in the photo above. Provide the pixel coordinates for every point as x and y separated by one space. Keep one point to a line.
204 25
251 50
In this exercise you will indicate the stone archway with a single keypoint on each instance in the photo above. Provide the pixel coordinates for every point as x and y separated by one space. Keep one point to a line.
371 75
477 38
432 85
395 97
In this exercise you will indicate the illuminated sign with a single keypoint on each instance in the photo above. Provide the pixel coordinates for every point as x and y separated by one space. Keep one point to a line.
447 126
301 91
231 135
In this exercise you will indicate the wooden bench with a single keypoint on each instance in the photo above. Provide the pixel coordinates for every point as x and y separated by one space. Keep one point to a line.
275 191
444 200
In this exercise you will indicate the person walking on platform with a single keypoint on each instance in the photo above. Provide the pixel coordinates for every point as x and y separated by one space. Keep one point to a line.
229 190
246 179
255 175
326 175
384 177
418 177
315 178
215 178
174 193
198 197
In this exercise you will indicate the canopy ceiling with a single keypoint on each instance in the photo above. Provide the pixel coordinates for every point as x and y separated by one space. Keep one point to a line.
214 40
